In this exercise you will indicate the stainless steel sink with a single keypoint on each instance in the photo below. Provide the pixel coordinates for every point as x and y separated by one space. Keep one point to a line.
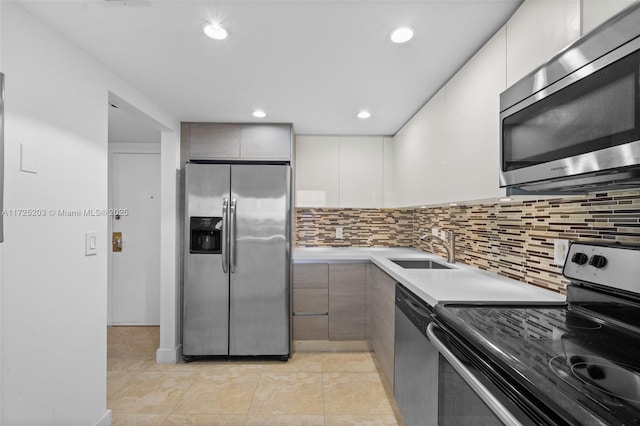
420 264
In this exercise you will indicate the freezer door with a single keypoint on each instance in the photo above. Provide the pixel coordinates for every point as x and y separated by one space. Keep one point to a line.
259 256
206 285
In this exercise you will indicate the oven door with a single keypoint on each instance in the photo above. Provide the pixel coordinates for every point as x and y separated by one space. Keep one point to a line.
470 394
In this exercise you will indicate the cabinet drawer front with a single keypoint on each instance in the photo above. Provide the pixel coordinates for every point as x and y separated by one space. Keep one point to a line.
311 300
311 327
313 275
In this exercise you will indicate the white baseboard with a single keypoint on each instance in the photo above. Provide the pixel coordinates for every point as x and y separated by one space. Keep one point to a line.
168 356
105 420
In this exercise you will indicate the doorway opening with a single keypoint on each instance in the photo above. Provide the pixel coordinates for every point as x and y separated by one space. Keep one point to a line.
134 218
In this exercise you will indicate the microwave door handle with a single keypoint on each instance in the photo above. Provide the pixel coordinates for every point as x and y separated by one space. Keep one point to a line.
494 405
232 236
225 233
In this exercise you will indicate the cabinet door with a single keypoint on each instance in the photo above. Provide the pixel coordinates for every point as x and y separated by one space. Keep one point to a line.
537 31
595 12
214 141
317 171
382 311
265 141
472 151
361 167
347 301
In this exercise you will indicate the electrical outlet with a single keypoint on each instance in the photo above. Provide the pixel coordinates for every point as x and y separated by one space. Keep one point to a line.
339 233
435 232
560 250
443 235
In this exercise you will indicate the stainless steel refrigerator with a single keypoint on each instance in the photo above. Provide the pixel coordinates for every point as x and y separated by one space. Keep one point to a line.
236 288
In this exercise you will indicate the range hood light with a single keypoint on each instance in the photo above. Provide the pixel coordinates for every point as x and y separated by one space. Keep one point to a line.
364 115
259 113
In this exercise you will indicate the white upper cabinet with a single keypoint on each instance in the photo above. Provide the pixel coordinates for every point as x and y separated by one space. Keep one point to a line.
341 171
317 171
471 150
361 169
403 176
388 175
419 167
450 150
595 12
537 31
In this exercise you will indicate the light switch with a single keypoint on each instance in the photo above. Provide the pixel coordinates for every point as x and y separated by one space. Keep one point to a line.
339 233
90 244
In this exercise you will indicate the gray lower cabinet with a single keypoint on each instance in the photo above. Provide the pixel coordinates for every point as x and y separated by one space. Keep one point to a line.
347 301
354 301
329 301
381 319
311 301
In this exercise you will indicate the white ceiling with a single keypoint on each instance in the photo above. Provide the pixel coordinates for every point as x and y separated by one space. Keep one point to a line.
312 63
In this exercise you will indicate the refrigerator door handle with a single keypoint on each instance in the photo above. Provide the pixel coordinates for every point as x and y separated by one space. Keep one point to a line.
232 236
225 233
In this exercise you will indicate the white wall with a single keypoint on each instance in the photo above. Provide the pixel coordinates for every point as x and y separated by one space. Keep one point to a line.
54 299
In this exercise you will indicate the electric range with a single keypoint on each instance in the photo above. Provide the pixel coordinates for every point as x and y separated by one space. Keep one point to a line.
571 363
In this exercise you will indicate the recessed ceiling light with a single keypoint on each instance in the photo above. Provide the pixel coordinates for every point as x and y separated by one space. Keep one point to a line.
364 114
259 113
215 31
402 34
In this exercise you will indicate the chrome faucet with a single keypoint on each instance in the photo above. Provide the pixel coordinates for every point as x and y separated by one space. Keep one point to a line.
449 244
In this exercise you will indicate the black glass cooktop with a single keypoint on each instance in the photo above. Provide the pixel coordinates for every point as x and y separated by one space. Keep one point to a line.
582 367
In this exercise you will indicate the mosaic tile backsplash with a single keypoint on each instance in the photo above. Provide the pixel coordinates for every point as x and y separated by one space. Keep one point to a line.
361 227
514 239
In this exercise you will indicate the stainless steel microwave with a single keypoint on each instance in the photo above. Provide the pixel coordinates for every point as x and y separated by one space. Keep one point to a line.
573 124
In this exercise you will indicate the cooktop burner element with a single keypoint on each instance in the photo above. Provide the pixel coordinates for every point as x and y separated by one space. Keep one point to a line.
619 381
576 322
579 360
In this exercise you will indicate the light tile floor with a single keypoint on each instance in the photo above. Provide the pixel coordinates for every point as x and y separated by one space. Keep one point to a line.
312 388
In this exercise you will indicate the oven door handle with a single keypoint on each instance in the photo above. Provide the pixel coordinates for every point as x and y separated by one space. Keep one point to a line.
494 405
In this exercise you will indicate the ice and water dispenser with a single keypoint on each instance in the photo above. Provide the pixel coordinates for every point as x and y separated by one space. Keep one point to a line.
206 235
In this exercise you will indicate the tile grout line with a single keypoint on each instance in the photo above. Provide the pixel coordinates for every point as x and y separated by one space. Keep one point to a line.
253 398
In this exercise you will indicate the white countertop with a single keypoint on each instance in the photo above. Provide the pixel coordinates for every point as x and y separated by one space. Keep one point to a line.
463 283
